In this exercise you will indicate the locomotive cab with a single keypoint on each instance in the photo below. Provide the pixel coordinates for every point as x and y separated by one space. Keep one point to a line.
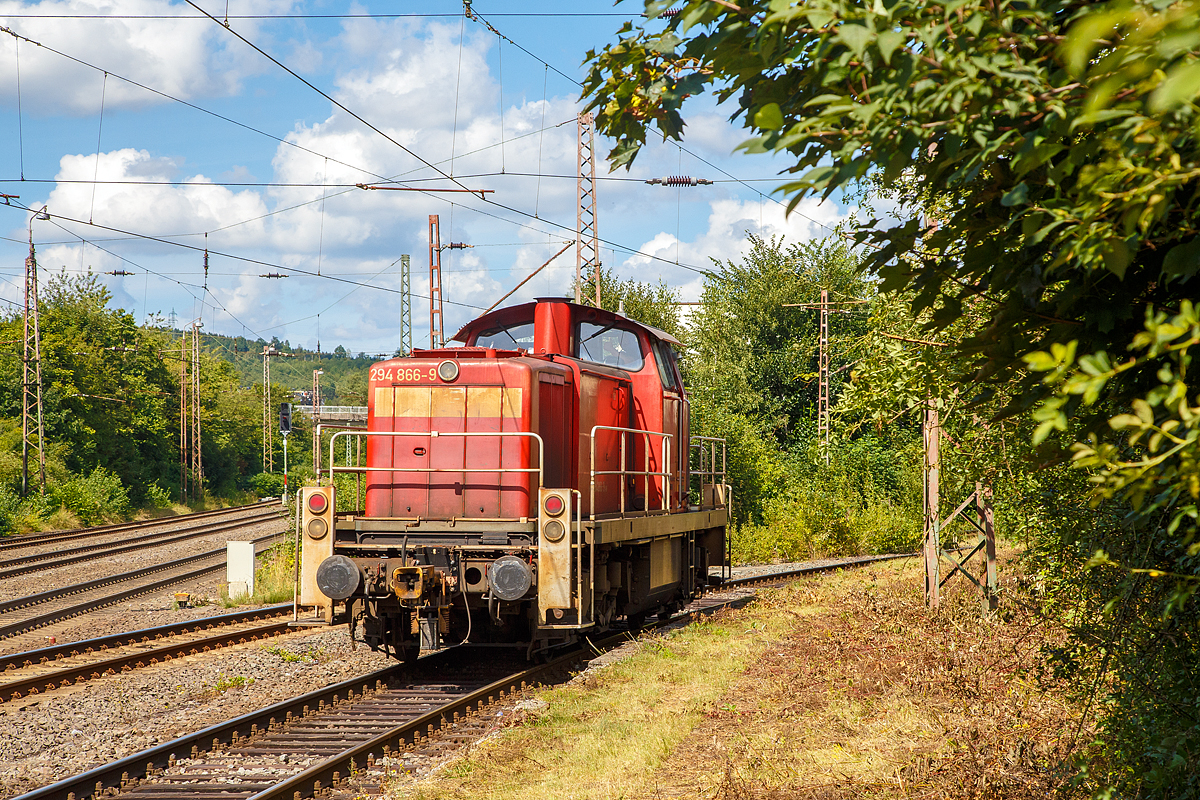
537 481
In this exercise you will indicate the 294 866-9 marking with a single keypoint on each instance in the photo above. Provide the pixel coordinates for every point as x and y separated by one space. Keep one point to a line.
412 374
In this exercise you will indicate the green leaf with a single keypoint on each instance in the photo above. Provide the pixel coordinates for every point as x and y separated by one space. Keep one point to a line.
887 42
856 37
1183 260
769 117
1116 256
1181 85
1016 196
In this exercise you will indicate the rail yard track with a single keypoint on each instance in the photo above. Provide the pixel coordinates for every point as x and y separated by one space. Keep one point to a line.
56 605
46 669
312 744
23 564
13 543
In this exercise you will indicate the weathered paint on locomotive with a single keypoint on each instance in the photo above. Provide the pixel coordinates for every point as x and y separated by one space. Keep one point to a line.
467 445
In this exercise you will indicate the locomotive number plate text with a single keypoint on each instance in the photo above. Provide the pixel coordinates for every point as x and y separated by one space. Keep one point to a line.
409 374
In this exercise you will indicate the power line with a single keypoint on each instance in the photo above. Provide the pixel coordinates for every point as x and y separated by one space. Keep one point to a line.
455 15
328 97
255 261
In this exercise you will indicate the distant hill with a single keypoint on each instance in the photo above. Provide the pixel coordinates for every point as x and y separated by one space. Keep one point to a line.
344 381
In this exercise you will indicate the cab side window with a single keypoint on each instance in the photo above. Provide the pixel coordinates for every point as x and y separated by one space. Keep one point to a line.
611 346
664 359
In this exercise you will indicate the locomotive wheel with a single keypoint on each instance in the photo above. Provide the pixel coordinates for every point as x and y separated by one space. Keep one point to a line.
636 621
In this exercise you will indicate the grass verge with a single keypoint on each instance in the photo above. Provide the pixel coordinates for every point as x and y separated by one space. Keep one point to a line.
835 687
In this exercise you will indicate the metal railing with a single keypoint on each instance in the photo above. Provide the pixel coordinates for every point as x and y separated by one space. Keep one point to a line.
646 474
539 469
710 463
343 413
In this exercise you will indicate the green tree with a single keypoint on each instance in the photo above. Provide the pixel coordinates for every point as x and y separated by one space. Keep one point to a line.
1045 155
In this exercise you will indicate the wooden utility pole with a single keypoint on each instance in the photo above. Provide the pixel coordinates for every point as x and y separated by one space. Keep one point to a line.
31 373
931 432
587 241
823 377
436 335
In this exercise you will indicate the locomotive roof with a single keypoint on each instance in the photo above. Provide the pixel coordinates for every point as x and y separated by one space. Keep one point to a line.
507 316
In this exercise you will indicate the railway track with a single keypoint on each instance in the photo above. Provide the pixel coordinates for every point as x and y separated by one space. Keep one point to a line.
37 539
313 743
36 562
35 671
63 602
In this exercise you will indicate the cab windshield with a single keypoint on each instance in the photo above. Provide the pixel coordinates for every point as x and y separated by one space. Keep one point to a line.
514 337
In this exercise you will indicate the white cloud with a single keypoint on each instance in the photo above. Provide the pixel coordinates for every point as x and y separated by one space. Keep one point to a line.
156 210
186 58
727 238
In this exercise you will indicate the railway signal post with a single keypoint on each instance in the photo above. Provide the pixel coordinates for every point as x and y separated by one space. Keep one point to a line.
285 427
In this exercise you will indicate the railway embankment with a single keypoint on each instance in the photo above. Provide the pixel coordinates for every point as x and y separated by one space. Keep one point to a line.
841 685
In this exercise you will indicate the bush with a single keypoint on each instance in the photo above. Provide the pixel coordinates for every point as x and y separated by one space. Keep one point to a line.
266 484
10 504
93 499
158 496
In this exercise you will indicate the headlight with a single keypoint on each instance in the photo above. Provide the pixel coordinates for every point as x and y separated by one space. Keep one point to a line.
448 371
554 531
317 528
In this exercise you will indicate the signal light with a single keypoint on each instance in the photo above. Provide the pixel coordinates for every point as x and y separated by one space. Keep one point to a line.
317 503
554 531
554 505
285 417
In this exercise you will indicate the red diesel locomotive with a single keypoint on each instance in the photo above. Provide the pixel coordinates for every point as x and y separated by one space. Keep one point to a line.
536 482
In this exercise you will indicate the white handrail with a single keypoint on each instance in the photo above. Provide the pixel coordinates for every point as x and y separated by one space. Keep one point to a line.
645 474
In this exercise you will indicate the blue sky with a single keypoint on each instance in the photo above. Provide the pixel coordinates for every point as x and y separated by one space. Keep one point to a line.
440 86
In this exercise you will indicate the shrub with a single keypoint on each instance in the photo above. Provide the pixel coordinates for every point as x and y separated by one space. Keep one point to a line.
266 484
93 498
158 496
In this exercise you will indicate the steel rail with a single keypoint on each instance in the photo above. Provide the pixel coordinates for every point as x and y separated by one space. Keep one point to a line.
120 775
50 617
798 572
26 564
34 539
84 646
125 662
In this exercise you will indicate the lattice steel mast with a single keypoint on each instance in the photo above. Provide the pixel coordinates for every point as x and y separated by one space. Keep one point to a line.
587 242
31 372
406 342
268 426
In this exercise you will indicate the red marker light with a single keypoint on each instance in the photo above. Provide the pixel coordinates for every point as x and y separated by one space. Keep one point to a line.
317 503
554 505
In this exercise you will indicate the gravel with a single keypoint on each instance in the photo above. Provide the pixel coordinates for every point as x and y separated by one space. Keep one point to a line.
75 729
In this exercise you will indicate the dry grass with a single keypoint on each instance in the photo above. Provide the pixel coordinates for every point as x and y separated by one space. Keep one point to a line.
835 687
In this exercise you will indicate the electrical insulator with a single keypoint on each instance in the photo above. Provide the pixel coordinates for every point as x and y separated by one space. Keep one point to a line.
457 246
119 272
273 275
670 13
679 180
